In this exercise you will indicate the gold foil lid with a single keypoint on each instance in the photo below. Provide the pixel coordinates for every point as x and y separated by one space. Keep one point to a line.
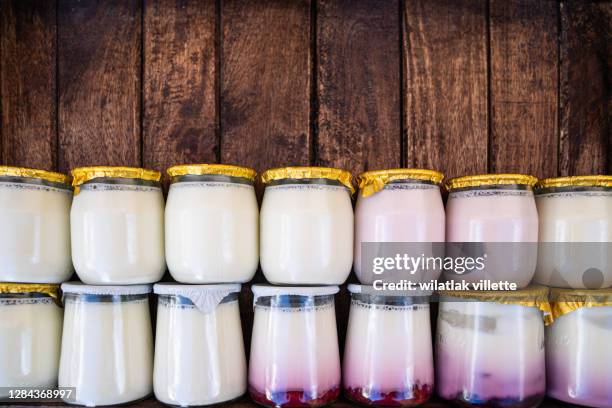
576 181
564 301
216 169
329 173
531 296
82 175
34 173
490 179
371 182
44 288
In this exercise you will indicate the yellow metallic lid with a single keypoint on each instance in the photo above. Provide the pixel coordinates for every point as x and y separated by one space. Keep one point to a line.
34 173
564 301
576 181
371 182
329 173
44 288
82 175
216 169
531 296
490 179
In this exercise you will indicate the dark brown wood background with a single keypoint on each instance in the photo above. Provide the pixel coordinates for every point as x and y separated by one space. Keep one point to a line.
462 86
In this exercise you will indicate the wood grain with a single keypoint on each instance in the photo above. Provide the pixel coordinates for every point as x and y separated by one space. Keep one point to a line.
524 85
180 109
28 83
446 85
100 87
359 62
265 83
585 84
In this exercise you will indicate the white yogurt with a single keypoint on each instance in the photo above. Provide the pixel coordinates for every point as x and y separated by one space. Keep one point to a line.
212 230
30 336
199 350
294 347
306 233
107 344
35 239
118 232
575 236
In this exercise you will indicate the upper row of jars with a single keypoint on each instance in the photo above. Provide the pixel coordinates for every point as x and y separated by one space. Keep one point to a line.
114 230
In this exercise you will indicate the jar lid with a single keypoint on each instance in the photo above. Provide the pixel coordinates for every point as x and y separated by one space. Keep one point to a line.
370 290
490 179
51 290
216 169
79 288
531 296
82 175
329 173
576 181
269 290
564 301
205 297
34 173
371 182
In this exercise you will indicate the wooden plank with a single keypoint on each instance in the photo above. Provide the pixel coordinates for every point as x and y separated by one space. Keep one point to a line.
28 83
446 85
99 80
265 83
524 82
585 83
180 110
358 88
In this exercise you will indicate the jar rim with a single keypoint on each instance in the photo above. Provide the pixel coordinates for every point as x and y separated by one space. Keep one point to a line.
212 169
330 173
79 288
373 181
482 180
26 172
269 290
81 175
594 180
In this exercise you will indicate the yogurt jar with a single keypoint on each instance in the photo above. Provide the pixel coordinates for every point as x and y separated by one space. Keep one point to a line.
490 347
492 219
34 215
117 224
306 226
398 211
212 224
30 336
294 360
575 249
578 352
388 359
199 351
107 344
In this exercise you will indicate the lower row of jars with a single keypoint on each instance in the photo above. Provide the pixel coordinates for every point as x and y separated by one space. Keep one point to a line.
488 352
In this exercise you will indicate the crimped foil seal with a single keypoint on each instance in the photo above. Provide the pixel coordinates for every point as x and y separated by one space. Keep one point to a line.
82 175
371 182
51 290
205 297
531 296
564 301
329 173
490 179
213 169
34 173
597 180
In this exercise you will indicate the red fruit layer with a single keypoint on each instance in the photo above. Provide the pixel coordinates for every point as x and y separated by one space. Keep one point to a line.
294 399
418 394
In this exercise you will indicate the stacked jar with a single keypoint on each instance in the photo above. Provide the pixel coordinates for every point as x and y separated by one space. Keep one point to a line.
306 235
34 259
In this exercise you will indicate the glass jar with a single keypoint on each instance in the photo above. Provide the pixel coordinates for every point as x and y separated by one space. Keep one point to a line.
34 215
388 358
117 224
306 226
575 249
492 218
295 360
199 351
107 344
30 335
212 224
490 347
402 208
578 352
